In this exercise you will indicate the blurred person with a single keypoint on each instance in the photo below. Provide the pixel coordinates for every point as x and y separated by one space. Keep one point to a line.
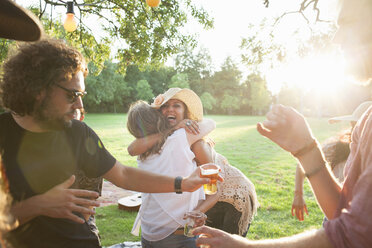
336 151
348 207
42 85
233 207
16 23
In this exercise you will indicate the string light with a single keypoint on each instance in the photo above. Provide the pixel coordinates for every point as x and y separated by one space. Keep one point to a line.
70 23
153 3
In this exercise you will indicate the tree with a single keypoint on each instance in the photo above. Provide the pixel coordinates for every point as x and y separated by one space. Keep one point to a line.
229 103
291 96
259 49
208 101
144 91
224 82
260 97
108 91
180 80
148 35
197 66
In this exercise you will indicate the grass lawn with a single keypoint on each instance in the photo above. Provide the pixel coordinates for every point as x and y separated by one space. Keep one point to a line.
264 163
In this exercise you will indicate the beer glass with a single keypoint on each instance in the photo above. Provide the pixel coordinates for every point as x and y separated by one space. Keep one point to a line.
210 170
192 218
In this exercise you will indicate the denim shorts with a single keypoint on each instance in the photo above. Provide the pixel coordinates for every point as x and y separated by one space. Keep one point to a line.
172 241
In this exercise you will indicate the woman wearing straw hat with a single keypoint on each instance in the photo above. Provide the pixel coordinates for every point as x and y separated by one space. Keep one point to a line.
161 215
233 207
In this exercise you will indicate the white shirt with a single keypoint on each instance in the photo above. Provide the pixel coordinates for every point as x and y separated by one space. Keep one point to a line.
162 213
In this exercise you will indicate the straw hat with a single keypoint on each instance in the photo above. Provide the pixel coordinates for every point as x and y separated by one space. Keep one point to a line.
187 96
18 23
355 116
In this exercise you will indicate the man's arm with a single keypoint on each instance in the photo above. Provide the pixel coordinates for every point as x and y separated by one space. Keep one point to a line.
288 128
220 239
144 181
326 188
58 202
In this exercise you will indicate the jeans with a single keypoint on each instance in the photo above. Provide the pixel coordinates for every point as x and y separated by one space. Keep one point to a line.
172 241
224 216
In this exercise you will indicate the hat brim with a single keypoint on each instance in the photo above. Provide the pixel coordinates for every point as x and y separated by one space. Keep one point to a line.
341 118
18 23
188 97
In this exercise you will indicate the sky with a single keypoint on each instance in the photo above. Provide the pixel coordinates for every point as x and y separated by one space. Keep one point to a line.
231 20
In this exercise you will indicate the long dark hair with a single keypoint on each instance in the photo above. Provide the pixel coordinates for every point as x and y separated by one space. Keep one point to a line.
143 120
337 149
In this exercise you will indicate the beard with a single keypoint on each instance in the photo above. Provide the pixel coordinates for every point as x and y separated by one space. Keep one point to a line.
46 117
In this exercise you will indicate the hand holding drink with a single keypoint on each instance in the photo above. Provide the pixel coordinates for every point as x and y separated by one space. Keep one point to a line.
193 219
210 171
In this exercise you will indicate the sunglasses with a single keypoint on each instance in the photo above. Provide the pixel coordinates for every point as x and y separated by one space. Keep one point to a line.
72 95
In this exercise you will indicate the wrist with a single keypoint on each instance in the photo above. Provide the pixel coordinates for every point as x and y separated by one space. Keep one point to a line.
305 149
298 192
178 184
312 162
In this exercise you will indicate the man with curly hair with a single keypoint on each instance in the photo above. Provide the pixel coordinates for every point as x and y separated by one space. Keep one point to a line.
43 146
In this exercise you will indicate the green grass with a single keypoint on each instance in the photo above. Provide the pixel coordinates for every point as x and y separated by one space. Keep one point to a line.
268 166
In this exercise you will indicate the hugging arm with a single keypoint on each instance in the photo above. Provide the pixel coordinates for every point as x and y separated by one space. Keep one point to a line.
141 145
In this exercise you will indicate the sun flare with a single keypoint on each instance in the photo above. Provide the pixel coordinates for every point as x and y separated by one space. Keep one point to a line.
322 73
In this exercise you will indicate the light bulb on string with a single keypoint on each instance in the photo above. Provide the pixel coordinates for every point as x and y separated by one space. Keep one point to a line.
70 23
153 3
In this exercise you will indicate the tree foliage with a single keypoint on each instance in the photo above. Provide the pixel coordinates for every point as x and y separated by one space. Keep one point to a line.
146 35
144 91
180 80
260 97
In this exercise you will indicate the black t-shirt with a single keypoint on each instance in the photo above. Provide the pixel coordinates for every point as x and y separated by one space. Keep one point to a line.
36 162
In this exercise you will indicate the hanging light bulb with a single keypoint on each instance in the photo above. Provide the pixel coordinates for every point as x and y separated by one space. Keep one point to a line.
153 3
70 23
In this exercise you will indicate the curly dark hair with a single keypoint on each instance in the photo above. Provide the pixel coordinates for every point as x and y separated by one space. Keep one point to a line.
36 67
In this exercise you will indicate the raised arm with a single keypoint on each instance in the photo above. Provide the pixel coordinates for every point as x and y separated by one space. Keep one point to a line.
286 127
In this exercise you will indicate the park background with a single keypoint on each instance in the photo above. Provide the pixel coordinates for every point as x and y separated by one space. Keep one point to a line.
282 52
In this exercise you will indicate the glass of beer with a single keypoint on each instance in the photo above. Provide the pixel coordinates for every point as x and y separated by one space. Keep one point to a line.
193 219
210 170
